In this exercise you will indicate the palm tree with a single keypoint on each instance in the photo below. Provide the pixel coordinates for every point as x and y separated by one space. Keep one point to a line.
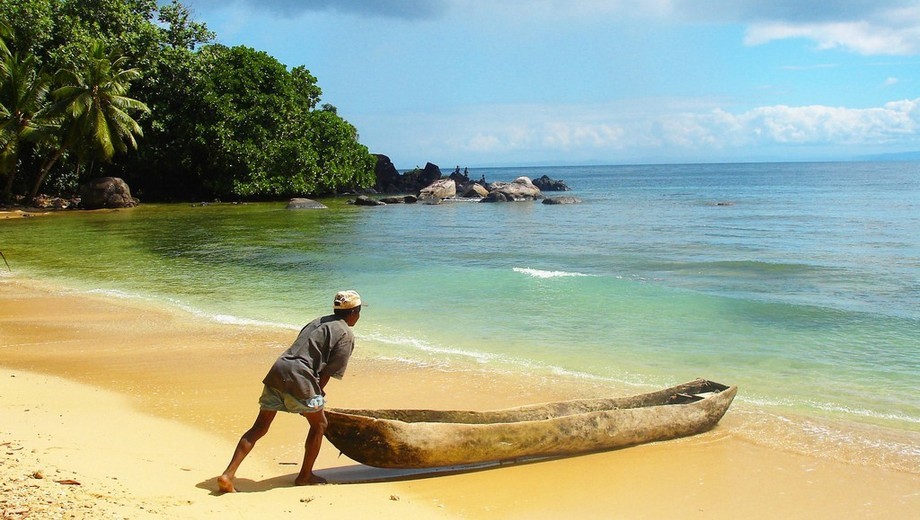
5 33
96 122
23 93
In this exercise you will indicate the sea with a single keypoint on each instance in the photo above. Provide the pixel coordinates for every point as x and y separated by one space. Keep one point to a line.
798 282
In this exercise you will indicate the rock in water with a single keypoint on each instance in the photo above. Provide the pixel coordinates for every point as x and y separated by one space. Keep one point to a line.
301 203
106 192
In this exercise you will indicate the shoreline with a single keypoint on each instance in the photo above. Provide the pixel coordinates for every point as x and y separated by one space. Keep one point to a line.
765 423
199 381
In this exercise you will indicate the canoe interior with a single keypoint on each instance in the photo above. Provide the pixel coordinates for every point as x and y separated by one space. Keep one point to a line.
682 394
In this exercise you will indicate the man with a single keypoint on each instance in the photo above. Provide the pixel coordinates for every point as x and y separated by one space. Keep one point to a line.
296 381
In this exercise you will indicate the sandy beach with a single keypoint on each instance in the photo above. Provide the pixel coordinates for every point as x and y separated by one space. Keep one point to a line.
113 408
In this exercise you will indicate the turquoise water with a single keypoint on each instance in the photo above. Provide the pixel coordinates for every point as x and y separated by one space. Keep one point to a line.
799 282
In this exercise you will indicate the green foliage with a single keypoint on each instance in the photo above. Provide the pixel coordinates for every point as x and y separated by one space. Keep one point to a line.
256 125
96 110
30 24
217 122
23 91
180 32
344 162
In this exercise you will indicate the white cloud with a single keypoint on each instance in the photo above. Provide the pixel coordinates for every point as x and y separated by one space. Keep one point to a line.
661 131
835 125
864 37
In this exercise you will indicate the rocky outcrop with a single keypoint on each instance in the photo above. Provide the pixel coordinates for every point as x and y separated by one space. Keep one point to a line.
520 189
106 192
465 184
547 184
300 203
562 200
389 180
433 189
439 189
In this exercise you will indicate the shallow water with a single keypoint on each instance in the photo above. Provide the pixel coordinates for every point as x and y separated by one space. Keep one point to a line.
798 282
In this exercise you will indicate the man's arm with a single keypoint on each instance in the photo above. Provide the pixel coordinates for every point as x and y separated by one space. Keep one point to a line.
322 383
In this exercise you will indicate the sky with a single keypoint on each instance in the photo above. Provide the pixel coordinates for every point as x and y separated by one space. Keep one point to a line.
570 82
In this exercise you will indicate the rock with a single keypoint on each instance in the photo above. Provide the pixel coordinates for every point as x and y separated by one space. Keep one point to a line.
439 189
386 173
106 192
562 200
495 196
301 203
475 190
547 184
520 189
407 199
364 200
429 174
46 202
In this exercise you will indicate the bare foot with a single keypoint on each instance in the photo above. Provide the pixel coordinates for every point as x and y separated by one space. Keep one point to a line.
225 484
312 480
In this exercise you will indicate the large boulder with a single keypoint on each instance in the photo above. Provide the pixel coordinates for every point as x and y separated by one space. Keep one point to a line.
519 189
106 192
547 184
438 190
301 203
429 174
475 190
388 177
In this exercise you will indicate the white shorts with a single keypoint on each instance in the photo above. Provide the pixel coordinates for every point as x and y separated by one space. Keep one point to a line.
273 399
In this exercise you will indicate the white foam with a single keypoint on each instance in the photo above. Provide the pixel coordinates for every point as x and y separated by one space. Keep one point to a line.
862 412
828 407
423 346
539 273
228 319
115 293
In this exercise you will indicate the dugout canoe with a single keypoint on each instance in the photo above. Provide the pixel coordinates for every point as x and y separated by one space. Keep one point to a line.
437 438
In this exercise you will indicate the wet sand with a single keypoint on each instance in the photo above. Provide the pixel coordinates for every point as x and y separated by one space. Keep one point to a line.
142 406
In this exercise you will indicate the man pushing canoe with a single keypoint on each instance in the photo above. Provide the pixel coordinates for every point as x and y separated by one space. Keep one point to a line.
296 381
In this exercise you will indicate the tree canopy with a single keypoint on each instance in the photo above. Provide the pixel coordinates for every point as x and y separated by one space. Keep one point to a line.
134 89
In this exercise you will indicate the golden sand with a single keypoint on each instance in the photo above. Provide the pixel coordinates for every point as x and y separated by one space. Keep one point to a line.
112 408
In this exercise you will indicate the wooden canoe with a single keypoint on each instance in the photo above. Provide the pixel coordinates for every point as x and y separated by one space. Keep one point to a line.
432 438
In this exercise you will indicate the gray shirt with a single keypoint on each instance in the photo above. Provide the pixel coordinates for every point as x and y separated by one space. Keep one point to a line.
322 348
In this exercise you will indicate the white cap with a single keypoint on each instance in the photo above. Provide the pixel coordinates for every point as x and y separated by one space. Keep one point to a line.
346 300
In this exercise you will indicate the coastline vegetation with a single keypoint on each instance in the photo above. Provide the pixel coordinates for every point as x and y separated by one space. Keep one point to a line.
137 90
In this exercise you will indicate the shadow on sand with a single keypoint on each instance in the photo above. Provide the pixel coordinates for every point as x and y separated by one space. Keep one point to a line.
361 474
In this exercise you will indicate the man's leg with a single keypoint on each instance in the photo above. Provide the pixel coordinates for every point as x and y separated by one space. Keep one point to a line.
247 441
311 449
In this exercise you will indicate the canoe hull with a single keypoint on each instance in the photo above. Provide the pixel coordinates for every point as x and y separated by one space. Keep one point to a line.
426 438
